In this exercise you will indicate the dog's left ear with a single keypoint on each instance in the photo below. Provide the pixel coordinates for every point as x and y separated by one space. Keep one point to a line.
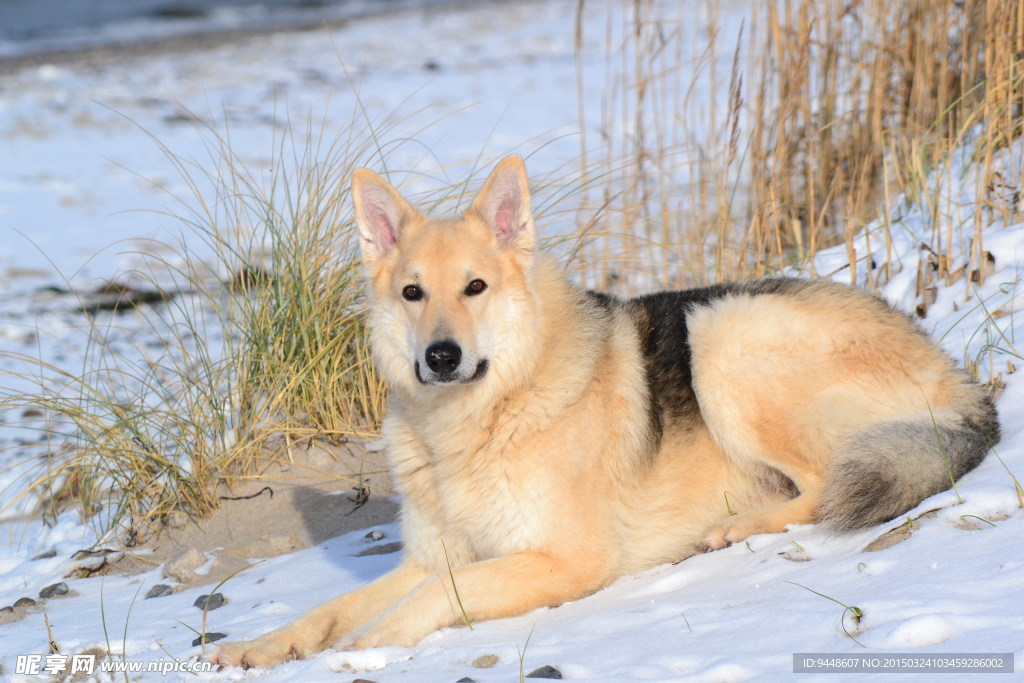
504 204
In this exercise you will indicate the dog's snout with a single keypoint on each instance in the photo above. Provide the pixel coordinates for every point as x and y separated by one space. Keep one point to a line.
444 357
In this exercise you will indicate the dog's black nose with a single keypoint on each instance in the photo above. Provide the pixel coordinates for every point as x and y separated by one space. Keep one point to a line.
443 357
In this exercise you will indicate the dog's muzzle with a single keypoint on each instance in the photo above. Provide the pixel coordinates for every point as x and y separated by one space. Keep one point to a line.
446 364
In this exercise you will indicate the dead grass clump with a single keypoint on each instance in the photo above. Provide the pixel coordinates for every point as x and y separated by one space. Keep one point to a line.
267 337
817 109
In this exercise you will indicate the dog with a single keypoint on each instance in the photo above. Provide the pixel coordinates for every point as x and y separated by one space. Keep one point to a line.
547 440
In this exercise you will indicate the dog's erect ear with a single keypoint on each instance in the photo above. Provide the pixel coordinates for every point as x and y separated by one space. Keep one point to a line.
504 204
380 213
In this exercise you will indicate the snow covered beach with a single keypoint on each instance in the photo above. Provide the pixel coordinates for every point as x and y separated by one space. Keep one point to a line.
80 172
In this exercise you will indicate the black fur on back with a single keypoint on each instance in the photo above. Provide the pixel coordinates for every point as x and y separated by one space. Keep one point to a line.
660 319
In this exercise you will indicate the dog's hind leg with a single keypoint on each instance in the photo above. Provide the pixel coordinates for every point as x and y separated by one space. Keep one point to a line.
772 519
768 396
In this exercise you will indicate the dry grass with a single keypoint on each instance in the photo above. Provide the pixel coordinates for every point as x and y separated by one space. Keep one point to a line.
289 290
269 338
129 440
819 111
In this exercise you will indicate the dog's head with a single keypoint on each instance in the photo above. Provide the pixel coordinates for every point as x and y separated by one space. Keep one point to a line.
447 295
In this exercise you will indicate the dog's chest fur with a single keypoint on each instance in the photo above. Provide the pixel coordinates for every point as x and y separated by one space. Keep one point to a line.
501 506
483 504
486 489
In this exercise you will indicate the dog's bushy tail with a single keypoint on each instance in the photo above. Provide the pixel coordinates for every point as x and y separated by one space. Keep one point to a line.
888 468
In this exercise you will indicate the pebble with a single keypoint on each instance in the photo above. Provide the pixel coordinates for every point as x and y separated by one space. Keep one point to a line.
24 602
485 662
210 602
53 589
181 567
374 535
546 671
159 591
6 609
382 549
52 552
210 638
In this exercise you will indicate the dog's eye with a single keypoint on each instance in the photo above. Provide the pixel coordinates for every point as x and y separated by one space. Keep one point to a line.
412 293
475 287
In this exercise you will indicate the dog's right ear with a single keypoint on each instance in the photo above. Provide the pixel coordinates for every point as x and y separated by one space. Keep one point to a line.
380 213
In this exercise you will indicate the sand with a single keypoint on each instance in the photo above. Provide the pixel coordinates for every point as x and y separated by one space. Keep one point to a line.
306 495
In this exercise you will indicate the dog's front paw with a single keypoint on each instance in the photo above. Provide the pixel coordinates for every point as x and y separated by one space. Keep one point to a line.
380 632
262 652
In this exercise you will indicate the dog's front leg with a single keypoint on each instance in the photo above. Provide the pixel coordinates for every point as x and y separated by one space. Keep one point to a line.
500 587
323 626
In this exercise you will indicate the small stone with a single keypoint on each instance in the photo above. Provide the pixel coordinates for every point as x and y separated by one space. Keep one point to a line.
159 591
363 680
485 662
382 549
466 679
175 521
546 671
24 602
52 552
210 602
374 536
7 609
181 567
53 589
270 546
209 638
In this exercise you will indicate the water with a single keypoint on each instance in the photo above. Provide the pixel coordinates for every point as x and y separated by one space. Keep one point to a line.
39 26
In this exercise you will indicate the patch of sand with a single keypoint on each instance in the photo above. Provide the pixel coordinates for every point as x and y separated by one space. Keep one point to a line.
319 491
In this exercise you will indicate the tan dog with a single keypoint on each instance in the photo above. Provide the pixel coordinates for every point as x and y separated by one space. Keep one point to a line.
547 441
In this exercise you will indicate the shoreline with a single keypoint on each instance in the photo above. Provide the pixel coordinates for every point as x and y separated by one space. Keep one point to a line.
86 55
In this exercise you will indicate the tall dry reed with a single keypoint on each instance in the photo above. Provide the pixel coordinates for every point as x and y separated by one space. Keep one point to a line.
727 150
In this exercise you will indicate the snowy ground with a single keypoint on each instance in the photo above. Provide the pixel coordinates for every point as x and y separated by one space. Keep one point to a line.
955 584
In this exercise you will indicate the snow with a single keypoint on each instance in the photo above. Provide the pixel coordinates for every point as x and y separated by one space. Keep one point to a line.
80 172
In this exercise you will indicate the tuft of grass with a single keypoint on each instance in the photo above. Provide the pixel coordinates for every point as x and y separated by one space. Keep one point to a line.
51 639
451 575
1017 487
206 604
728 507
945 459
980 519
124 635
283 239
522 655
856 612
126 439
